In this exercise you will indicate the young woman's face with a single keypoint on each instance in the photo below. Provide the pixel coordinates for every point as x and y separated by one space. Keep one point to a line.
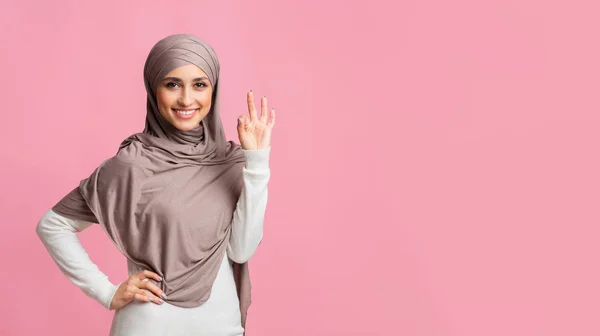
184 97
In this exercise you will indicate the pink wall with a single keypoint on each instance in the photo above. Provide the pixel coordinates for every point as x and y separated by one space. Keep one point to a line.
435 163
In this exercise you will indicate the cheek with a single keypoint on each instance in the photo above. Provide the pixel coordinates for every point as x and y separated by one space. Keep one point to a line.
164 101
204 98
162 98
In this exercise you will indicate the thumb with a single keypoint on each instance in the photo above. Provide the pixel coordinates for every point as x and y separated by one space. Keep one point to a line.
241 127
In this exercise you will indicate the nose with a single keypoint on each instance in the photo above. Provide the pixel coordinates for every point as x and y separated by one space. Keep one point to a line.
185 98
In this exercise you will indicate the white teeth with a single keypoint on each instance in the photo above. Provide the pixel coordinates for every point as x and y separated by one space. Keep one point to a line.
185 112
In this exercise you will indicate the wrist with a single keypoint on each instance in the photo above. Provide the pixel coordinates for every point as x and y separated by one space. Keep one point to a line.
257 158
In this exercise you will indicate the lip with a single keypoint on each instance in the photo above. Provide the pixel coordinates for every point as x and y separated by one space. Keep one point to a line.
189 116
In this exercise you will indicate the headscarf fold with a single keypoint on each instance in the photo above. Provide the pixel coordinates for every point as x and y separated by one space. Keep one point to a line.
167 198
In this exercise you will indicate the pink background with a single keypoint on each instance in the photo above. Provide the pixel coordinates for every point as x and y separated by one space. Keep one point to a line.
434 166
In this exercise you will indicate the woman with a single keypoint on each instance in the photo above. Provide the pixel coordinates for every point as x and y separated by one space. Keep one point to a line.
183 205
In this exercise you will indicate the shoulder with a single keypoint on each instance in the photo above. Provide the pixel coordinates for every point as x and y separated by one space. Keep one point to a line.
128 160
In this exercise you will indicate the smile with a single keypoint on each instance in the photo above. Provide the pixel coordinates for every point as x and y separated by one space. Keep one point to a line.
185 114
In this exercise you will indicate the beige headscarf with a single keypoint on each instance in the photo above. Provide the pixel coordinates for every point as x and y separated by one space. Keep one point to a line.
167 198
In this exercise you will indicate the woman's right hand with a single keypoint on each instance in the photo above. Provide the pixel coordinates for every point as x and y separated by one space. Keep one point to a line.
137 287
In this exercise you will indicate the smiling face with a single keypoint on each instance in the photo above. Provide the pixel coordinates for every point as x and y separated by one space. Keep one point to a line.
184 97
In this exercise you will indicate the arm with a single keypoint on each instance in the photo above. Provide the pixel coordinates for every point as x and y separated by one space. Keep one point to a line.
59 236
247 224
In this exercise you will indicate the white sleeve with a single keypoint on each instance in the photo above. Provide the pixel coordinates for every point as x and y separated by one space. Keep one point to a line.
247 224
59 235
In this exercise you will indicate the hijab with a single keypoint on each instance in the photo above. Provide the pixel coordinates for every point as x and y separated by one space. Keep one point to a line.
167 197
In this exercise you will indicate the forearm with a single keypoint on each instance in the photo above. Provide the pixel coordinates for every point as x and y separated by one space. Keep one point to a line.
248 218
59 235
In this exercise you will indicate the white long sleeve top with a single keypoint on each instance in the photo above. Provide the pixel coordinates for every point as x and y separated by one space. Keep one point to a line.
219 315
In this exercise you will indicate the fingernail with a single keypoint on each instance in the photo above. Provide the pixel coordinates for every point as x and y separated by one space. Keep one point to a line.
161 300
164 295
159 278
239 121
150 299
250 90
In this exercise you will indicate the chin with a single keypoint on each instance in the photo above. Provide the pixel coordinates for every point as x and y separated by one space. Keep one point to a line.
186 126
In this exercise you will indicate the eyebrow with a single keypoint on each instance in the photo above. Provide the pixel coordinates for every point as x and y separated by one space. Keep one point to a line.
175 79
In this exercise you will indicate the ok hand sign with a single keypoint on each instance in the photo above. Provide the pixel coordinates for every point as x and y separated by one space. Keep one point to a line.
254 132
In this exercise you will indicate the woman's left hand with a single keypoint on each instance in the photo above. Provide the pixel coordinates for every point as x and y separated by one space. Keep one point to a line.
254 132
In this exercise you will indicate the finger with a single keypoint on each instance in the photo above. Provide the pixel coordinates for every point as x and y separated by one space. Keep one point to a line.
148 274
130 292
272 117
151 297
241 127
153 288
251 106
143 298
245 126
263 110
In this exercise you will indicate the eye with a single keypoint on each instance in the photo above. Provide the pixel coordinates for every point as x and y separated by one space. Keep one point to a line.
171 85
201 85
